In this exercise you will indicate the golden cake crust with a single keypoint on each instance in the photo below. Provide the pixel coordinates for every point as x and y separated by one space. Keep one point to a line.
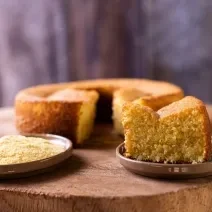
44 117
58 113
34 112
158 89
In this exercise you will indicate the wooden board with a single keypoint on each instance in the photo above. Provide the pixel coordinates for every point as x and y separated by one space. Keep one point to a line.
93 180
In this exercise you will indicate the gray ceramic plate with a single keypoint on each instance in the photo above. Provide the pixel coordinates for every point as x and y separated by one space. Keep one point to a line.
160 170
39 166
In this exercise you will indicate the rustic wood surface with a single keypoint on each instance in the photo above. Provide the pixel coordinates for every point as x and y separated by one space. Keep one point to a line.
93 180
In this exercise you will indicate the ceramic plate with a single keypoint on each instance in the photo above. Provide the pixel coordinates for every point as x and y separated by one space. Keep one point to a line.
39 166
160 170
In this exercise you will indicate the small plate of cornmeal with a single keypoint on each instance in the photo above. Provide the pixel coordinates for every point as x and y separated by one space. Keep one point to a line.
29 154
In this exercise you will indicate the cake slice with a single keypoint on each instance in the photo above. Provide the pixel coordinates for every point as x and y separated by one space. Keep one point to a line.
67 112
177 133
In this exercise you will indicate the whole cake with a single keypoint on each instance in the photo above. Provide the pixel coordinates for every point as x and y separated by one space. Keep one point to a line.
36 112
177 133
67 112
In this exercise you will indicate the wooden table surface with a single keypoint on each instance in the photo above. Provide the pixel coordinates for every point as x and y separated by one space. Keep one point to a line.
93 180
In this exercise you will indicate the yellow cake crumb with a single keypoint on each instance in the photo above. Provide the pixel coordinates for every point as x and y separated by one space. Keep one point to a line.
179 132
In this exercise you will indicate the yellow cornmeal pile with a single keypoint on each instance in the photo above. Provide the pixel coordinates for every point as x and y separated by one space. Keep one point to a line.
20 149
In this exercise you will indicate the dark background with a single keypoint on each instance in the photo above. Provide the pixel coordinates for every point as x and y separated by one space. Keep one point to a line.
47 41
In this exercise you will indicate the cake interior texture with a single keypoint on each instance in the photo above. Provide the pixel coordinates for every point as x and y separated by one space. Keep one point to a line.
123 96
120 97
177 133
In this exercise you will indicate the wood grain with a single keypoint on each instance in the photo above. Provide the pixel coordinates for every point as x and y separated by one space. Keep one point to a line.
93 180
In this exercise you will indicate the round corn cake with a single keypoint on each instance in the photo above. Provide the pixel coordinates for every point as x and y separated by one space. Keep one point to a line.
35 113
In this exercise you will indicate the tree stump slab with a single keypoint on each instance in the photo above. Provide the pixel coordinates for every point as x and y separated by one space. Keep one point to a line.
93 180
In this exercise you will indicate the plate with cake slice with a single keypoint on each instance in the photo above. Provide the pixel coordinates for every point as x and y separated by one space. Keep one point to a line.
174 142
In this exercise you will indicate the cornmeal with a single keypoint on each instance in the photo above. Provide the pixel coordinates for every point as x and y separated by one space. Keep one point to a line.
20 149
